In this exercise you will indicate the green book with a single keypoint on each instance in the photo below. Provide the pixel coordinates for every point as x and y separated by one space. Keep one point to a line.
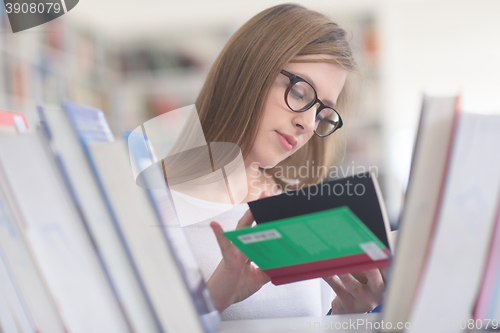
318 244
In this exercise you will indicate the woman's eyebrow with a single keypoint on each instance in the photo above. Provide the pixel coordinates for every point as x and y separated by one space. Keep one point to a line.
328 102
308 79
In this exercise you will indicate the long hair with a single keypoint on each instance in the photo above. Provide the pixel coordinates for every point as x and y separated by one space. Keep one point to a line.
231 102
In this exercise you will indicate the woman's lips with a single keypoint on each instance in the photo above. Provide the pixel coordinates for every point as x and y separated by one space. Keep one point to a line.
287 141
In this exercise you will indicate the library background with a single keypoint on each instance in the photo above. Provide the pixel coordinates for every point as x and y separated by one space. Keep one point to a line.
138 60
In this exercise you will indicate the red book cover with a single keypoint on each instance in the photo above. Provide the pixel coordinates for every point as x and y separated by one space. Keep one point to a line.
13 120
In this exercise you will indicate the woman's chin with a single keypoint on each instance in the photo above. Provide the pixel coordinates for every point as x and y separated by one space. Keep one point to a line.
269 161
270 164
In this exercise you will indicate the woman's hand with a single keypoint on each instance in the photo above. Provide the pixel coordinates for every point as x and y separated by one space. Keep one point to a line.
235 278
357 292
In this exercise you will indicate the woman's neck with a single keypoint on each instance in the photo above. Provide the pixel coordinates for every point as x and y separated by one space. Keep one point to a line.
258 181
218 190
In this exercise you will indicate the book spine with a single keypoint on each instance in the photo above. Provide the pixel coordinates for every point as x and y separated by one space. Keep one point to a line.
329 267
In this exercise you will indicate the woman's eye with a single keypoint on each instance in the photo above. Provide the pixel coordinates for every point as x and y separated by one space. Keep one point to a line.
326 113
296 94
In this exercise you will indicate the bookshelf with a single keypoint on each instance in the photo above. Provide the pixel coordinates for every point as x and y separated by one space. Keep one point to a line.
162 72
134 80
53 62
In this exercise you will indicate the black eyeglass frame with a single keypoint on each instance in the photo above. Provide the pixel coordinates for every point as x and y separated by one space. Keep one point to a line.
293 80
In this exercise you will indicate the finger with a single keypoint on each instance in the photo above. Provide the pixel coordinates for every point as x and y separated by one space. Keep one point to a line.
353 286
375 280
224 243
384 271
246 220
361 277
263 277
337 286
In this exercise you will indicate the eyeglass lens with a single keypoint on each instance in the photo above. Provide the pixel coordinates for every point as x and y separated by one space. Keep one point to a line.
301 97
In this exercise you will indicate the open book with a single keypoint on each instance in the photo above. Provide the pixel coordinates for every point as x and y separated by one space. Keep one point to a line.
335 227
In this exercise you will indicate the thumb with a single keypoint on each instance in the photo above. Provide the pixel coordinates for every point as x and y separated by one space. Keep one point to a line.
246 220
262 277
224 243
264 194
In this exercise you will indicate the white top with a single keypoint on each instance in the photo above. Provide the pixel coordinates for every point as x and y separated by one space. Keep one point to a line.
298 299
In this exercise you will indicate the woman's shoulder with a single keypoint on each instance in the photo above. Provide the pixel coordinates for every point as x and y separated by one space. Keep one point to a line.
191 210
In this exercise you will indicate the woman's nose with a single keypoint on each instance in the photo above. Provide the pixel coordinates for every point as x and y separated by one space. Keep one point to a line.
306 120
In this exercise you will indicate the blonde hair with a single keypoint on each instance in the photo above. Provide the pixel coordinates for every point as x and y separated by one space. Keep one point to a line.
230 104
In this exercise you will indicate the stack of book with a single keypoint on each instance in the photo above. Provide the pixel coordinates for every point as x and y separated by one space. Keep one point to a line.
445 273
82 248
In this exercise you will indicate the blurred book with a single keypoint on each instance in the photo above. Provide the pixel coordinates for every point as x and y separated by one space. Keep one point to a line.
60 244
143 233
12 123
14 316
428 173
68 145
159 194
488 302
9 322
23 285
451 275
88 123
111 255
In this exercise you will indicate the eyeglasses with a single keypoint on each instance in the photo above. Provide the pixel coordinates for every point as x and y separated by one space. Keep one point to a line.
300 96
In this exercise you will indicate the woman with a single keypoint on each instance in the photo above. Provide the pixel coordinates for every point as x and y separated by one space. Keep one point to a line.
274 91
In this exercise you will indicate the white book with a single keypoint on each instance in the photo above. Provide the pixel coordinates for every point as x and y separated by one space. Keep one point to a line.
146 240
159 194
428 172
60 243
13 314
34 298
106 238
451 277
7 321
488 301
